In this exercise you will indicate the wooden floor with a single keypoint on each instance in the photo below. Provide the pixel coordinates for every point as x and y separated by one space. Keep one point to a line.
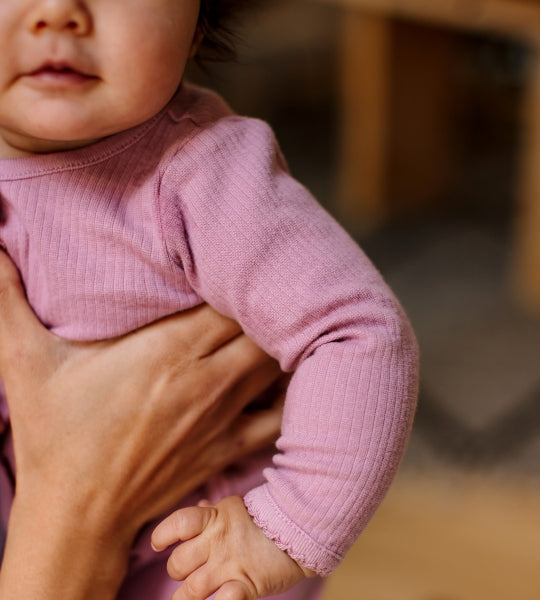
455 538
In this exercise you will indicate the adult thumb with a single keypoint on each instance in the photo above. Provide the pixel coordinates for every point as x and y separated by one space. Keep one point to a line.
21 333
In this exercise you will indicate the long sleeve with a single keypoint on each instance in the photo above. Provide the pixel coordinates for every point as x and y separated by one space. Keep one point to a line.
254 244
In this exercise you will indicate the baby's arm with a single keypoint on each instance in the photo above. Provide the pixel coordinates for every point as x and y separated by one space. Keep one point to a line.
224 551
257 247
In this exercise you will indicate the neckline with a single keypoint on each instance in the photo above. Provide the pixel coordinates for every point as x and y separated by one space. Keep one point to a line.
42 164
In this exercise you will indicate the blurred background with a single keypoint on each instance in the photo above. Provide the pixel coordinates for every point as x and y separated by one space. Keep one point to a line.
417 124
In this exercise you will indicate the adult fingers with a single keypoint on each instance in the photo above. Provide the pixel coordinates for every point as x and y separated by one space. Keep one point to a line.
256 430
202 330
237 360
179 344
259 386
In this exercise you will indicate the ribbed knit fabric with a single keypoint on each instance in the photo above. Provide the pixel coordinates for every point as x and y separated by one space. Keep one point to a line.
196 204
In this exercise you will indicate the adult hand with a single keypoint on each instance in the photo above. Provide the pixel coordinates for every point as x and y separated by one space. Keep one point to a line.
118 430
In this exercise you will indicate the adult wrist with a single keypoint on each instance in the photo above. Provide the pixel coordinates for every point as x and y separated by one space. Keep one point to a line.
78 501
53 551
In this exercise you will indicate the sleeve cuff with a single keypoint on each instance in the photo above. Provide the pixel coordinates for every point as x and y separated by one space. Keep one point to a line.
287 535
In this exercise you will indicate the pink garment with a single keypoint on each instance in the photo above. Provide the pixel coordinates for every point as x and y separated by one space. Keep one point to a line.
197 205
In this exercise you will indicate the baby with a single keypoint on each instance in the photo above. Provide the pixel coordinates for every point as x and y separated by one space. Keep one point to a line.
128 195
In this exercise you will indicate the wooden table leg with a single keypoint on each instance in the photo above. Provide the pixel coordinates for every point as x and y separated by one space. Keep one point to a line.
365 95
526 264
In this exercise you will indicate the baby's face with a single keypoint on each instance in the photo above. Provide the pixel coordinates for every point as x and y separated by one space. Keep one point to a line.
75 71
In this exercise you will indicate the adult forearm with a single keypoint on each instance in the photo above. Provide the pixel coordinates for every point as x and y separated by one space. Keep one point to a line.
53 552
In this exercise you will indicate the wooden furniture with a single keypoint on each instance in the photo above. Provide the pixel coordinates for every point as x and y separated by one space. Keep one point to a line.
365 94
446 536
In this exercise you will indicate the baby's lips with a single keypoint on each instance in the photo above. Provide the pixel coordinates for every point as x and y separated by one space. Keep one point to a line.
60 67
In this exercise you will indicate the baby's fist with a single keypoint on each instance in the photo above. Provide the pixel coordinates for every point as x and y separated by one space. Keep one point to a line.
224 551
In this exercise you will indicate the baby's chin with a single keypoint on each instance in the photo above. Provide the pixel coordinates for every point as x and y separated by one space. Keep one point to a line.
47 131
59 125
43 141
19 148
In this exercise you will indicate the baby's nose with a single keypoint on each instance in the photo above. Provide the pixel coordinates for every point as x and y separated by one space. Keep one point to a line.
60 15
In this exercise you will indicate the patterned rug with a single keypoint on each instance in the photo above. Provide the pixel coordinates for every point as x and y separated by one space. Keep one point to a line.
479 402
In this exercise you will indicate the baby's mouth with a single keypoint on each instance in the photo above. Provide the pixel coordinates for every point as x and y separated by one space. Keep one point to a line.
59 74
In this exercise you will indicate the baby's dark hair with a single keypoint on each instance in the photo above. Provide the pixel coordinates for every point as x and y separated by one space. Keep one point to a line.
216 18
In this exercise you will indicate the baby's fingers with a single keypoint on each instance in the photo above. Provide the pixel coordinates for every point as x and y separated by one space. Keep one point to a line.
199 585
181 525
234 590
206 580
186 559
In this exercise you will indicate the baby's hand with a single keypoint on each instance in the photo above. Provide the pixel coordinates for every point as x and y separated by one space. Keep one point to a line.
224 551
